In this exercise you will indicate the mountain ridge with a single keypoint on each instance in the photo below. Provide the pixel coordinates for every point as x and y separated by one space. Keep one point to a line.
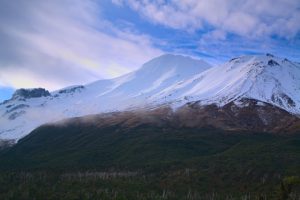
168 80
239 78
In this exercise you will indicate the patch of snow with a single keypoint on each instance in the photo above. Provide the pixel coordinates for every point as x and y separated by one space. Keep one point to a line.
259 103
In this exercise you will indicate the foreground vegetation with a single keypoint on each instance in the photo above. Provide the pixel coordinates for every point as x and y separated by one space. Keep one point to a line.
127 185
146 162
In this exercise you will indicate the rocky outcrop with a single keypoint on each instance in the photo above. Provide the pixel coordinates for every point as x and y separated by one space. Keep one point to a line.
71 89
30 93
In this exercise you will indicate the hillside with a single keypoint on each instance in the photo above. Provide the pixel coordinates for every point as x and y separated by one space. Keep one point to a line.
153 155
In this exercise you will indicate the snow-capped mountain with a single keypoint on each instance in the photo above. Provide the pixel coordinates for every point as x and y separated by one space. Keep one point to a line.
30 108
265 78
167 80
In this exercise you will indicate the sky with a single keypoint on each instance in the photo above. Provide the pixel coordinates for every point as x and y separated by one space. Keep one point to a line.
57 43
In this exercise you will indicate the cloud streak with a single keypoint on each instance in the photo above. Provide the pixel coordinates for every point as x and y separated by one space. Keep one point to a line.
61 42
251 18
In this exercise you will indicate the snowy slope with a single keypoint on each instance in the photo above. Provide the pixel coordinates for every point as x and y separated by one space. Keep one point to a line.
168 79
31 108
265 78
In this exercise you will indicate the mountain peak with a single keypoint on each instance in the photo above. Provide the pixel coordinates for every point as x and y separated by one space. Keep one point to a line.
168 57
256 61
171 56
181 64
269 55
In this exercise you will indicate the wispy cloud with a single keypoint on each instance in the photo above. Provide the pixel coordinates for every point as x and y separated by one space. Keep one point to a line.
62 42
251 18
219 29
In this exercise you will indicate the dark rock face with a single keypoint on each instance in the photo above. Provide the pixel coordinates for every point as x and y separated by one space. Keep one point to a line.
286 60
21 106
283 98
270 55
16 111
235 60
272 62
31 93
16 115
71 90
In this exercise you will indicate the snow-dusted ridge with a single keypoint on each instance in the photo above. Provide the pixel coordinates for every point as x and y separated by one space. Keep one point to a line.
169 79
21 115
265 78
